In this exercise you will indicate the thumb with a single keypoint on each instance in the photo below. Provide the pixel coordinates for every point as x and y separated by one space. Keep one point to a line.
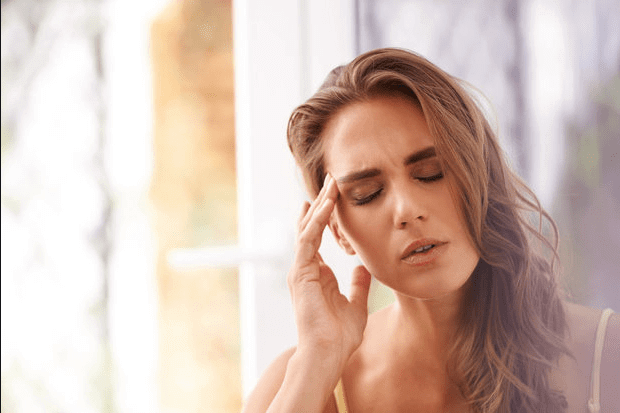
360 285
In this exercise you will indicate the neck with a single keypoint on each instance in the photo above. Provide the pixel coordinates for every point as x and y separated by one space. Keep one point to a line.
428 324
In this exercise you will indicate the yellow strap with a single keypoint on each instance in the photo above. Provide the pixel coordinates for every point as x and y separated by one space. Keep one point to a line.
341 402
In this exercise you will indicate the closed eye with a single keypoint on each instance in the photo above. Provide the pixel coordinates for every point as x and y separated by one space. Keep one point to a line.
428 170
367 199
430 178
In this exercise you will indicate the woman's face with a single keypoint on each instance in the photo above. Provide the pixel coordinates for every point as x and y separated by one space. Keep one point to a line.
395 208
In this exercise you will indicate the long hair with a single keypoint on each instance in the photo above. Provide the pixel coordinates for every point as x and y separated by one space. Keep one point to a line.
513 324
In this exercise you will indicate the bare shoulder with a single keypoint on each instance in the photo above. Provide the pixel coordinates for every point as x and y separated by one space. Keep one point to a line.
610 367
270 382
583 323
582 320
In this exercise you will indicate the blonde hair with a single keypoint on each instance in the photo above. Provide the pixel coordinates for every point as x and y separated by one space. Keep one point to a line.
513 324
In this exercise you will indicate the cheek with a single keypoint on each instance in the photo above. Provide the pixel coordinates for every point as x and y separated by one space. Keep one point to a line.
350 224
358 226
460 222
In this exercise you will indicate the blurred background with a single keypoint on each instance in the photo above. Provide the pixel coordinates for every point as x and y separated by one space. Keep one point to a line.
149 200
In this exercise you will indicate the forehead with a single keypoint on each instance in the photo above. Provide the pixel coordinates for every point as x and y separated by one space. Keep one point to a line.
369 133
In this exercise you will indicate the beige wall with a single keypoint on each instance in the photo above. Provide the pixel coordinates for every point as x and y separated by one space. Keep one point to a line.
194 198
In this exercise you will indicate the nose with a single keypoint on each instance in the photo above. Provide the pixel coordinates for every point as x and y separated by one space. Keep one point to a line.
408 207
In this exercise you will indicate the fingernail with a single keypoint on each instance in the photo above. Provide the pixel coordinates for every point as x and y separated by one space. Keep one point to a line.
326 181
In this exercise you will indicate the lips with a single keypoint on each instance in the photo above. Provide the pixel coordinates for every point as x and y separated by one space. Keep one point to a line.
420 247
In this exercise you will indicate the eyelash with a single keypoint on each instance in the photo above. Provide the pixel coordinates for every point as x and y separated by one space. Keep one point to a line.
374 195
431 178
369 198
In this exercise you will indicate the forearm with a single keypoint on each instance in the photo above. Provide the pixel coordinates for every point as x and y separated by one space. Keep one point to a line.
307 385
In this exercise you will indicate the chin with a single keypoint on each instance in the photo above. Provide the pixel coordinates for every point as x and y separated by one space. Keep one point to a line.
432 285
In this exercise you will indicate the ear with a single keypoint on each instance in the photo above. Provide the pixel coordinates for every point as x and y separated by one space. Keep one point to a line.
339 236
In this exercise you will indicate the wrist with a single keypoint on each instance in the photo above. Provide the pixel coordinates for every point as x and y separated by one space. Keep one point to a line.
327 364
308 383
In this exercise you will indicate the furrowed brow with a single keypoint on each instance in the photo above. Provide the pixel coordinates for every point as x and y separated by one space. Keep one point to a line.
358 176
420 155
370 173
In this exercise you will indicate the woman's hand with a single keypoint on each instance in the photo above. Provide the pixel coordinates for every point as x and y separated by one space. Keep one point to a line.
329 325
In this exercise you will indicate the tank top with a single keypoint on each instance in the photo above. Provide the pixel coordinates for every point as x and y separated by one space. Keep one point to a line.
594 405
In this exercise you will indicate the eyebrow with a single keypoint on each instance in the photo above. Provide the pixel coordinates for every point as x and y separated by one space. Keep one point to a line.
372 172
420 155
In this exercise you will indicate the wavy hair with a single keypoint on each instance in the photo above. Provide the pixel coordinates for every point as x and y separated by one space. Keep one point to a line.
513 324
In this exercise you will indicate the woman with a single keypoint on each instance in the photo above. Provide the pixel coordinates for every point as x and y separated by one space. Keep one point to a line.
408 175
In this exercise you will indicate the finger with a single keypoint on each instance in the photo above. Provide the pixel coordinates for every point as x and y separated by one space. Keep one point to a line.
360 286
328 192
304 211
322 266
318 201
309 239
313 206
327 279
